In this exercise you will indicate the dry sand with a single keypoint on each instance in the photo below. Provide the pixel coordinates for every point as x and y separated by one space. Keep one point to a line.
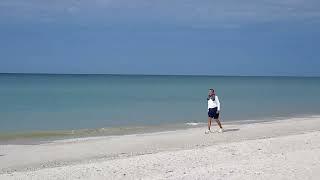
284 149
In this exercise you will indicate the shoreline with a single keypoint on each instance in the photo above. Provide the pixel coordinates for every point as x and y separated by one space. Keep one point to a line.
26 159
47 136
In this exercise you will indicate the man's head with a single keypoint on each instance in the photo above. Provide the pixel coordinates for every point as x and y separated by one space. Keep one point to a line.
211 92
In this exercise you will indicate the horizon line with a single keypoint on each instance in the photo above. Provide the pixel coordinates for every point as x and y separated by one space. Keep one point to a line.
118 74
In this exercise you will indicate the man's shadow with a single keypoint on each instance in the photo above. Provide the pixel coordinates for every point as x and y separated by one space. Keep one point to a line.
230 130
2 155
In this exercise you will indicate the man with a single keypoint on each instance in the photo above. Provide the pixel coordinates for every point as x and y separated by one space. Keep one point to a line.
213 110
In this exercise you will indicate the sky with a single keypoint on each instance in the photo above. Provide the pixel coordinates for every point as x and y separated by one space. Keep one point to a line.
189 37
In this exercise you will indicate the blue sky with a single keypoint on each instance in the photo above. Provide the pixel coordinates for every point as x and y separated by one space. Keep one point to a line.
229 37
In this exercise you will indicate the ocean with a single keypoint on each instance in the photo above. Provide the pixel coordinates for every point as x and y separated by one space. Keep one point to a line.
39 105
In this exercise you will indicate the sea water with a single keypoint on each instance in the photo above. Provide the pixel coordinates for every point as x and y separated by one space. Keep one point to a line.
69 103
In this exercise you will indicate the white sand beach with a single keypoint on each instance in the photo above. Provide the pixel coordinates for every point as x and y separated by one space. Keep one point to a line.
283 149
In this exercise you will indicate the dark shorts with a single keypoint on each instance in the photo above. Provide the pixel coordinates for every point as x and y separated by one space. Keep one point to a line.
213 113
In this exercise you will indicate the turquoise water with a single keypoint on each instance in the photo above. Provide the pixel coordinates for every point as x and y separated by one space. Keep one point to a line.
63 102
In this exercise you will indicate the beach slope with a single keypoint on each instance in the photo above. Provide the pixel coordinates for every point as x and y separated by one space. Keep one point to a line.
284 149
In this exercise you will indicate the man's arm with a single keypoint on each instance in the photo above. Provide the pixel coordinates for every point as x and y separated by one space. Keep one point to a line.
218 103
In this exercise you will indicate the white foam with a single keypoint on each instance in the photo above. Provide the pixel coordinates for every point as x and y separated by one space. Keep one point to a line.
192 124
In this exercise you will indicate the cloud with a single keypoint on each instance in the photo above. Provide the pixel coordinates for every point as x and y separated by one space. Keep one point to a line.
192 13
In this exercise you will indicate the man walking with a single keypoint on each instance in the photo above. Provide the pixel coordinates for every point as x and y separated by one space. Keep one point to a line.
213 110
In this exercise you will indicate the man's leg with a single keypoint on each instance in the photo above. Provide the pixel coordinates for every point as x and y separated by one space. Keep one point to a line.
219 123
209 123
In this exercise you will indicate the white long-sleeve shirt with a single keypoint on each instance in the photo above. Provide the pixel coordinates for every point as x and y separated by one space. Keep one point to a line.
214 104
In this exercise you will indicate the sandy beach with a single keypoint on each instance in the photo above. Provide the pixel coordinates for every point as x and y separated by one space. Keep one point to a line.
282 149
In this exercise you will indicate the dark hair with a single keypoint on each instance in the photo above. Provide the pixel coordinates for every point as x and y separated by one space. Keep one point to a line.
211 95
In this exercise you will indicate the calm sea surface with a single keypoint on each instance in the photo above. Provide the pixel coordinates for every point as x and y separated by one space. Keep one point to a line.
54 103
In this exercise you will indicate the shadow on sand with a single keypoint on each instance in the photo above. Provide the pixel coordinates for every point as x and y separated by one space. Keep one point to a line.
230 130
